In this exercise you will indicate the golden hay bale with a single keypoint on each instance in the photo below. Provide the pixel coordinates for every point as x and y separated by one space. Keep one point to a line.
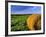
32 20
39 24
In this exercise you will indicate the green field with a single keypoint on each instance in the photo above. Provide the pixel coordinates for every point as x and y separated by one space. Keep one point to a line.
18 22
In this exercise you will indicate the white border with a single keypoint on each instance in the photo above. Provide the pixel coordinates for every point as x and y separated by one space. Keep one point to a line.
23 32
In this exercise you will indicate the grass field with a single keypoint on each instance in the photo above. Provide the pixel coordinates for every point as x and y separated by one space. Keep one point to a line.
18 22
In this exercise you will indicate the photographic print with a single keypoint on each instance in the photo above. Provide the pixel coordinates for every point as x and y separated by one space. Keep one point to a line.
25 18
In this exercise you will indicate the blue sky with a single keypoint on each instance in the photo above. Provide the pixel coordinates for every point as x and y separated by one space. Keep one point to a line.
17 9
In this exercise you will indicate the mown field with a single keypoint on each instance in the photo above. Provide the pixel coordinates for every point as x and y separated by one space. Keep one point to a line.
18 22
